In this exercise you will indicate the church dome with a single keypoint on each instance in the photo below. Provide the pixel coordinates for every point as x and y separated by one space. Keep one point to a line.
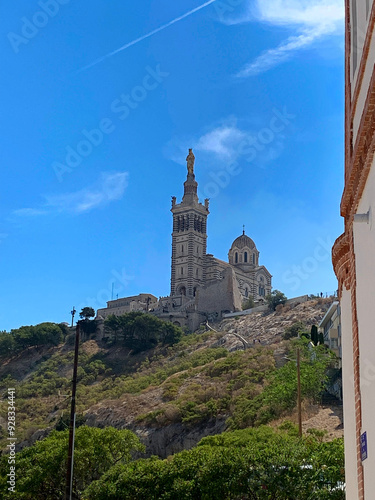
242 242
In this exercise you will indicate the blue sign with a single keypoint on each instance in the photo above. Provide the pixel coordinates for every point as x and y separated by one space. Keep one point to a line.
363 446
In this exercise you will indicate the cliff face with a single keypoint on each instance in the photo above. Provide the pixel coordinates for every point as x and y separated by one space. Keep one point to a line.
171 397
161 441
168 440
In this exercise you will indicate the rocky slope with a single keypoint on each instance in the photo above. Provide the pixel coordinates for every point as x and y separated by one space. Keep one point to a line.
167 396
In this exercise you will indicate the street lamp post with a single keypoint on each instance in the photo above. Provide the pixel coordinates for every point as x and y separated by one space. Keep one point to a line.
72 312
69 472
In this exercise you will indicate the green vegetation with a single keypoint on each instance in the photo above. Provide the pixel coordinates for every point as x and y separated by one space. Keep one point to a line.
41 469
40 396
279 395
261 463
294 330
27 336
194 379
314 335
140 332
243 387
87 313
275 298
251 464
248 304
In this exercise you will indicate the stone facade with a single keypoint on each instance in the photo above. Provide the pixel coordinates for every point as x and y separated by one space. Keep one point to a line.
192 267
189 238
142 302
202 286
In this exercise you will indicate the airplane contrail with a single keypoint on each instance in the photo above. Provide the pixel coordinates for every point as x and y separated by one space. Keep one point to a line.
127 45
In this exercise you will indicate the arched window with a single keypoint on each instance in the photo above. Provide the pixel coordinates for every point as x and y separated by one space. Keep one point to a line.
194 291
182 248
182 270
236 257
183 290
253 258
245 257
246 292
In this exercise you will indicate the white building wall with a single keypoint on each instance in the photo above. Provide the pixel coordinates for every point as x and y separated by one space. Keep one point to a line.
362 24
364 89
364 246
348 397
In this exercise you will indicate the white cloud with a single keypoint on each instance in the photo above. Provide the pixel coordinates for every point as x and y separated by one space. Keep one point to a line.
223 141
110 187
313 13
228 142
29 212
309 19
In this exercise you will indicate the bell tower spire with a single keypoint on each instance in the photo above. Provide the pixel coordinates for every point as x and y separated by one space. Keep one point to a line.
189 237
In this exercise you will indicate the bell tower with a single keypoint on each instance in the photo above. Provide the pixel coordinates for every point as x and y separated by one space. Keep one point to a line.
189 237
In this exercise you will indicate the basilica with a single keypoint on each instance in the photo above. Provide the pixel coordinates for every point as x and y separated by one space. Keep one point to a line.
202 286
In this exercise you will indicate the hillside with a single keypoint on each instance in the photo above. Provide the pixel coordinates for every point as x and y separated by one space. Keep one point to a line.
170 396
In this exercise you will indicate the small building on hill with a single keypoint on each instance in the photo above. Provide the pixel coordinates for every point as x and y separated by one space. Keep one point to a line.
330 326
142 302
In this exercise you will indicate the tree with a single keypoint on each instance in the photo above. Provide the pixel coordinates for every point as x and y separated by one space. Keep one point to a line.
260 464
41 334
87 327
248 303
314 335
64 421
41 469
275 298
48 334
87 312
112 326
7 343
294 330
140 331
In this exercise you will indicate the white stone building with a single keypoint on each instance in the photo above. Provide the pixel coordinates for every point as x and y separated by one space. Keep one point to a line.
142 302
330 326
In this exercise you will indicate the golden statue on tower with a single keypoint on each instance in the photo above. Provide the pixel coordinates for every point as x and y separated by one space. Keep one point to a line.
190 161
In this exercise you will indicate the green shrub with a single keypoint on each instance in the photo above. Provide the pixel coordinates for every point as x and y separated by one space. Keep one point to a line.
294 330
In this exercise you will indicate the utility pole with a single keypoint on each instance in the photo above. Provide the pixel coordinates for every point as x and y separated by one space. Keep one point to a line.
72 312
299 393
69 472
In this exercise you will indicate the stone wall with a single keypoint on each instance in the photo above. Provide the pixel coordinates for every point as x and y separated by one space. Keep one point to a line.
221 296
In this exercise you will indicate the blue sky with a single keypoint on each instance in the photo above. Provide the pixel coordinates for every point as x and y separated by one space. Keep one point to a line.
100 103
